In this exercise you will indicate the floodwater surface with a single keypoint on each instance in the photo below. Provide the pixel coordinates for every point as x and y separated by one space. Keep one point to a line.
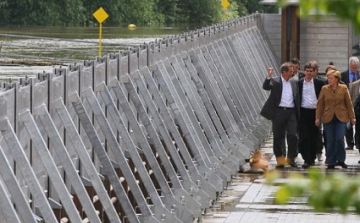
32 50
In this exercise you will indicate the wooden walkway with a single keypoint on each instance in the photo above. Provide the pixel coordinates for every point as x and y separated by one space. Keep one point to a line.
248 199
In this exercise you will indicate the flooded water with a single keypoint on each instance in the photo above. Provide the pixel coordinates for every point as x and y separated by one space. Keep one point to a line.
32 50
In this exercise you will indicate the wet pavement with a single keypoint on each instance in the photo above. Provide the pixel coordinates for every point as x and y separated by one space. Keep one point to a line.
249 199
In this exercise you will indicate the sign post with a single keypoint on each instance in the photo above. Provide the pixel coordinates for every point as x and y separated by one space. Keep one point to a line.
225 4
100 15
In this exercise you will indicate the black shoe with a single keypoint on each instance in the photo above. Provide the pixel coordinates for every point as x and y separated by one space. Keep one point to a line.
359 161
331 167
293 164
305 166
349 148
279 166
343 165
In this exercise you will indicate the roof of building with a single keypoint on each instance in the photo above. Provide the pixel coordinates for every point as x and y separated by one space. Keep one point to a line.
274 2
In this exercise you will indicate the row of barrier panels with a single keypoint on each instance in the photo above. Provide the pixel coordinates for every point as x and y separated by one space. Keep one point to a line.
153 134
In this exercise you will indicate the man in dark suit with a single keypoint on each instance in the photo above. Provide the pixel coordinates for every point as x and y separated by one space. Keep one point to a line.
309 90
282 108
348 77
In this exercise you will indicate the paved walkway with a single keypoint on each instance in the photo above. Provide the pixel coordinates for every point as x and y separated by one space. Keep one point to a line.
248 199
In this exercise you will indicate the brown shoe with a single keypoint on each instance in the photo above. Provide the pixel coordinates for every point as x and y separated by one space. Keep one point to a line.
280 161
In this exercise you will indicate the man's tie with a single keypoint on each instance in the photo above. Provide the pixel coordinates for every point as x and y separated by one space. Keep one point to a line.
353 76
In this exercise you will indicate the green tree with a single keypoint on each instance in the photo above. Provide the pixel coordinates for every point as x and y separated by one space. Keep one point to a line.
79 12
74 13
253 6
232 12
167 10
4 14
139 12
200 11
115 8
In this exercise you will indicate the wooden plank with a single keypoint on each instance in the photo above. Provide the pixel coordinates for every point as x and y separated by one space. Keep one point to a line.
334 36
324 30
324 43
324 49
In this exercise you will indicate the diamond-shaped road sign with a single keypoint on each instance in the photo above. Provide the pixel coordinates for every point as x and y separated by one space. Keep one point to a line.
100 15
225 4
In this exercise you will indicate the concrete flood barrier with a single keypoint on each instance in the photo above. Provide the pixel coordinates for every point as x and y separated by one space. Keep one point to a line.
152 134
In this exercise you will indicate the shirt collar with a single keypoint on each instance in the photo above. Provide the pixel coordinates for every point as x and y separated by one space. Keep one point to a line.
310 82
283 80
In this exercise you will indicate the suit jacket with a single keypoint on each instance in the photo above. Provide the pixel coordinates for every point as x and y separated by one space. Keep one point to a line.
345 77
354 91
300 75
338 103
274 85
318 84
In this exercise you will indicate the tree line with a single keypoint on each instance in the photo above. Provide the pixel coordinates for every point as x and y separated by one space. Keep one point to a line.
140 12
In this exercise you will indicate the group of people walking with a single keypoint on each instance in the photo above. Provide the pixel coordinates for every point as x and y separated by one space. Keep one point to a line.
300 103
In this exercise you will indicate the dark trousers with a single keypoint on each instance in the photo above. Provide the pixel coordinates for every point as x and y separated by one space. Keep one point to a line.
285 124
321 142
350 136
357 133
308 135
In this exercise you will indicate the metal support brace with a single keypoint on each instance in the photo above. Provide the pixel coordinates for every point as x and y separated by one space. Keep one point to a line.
248 95
206 100
237 90
187 182
215 78
108 167
45 156
7 208
24 166
241 145
223 65
170 201
198 174
214 93
154 138
224 116
238 43
205 108
67 164
86 161
189 132
210 132
17 196
160 212
223 171
263 55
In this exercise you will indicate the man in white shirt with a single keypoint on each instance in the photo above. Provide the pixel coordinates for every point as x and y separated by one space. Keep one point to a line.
282 108
309 90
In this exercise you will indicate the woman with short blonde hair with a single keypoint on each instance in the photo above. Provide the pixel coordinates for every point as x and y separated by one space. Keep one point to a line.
335 110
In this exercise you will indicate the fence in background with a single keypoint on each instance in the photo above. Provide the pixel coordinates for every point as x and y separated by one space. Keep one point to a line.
153 134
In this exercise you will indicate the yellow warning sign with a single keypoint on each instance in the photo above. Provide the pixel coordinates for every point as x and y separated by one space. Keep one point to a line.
225 4
100 15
